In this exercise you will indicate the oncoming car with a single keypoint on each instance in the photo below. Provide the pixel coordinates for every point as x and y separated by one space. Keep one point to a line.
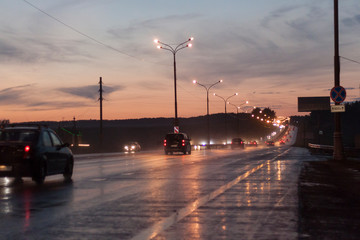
132 147
34 151
177 142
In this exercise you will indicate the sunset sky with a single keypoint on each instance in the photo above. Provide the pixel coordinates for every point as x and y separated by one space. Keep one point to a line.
52 54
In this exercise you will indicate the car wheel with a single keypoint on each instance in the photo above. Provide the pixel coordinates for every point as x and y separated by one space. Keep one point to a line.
40 175
69 170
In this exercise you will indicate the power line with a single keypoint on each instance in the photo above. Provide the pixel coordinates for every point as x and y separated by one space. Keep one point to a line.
81 33
350 60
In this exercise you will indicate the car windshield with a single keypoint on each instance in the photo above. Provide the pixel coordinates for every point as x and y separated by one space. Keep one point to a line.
172 137
18 136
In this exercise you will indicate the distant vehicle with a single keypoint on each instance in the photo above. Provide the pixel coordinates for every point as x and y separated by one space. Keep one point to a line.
237 143
252 144
177 142
34 151
132 147
270 143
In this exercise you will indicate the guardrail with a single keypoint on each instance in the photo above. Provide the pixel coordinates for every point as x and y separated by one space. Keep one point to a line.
328 150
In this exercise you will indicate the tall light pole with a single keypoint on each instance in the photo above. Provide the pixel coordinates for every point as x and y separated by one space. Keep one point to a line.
207 88
225 101
174 50
237 114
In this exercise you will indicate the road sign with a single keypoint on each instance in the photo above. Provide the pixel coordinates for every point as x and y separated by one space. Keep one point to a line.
337 108
338 94
176 129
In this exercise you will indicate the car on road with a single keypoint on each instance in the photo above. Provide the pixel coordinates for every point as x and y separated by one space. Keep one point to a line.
237 143
177 142
270 143
34 151
132 147
253 144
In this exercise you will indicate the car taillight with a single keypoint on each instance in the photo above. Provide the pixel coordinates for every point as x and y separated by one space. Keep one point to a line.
183 142
164 143
27 149
241 142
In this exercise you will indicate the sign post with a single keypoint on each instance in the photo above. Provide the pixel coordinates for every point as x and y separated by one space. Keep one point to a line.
338 153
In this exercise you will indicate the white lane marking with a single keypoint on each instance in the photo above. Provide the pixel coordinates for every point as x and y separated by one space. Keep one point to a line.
162 225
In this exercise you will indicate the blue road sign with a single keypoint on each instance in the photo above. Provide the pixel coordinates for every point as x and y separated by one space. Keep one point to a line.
338 94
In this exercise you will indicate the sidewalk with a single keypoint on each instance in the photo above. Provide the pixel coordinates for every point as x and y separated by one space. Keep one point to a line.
329 199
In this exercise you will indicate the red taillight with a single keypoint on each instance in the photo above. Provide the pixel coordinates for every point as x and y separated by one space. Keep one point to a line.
26 152
183 142
164 143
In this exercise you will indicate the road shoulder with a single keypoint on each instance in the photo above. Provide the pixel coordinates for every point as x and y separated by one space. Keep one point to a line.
329 200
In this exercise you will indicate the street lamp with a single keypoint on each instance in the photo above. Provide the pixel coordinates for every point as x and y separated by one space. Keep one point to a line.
225 101
237 114
174 50
207 88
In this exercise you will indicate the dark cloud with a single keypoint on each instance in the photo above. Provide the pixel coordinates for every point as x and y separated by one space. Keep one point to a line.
23 97
352 21
41 49
90 91
15 95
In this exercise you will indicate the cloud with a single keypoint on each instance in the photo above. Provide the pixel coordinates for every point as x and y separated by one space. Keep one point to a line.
40 49
14 95
352 21
90 91
136 27
23 98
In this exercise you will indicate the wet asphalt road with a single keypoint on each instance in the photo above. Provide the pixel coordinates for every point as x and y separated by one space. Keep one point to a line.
211 194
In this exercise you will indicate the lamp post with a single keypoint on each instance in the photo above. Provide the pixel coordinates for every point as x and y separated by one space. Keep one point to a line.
225 101
237 114
174 50
207 88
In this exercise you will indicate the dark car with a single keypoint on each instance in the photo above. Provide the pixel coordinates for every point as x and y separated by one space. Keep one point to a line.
177 142
237 143
253 144
132 147
34 151
270 143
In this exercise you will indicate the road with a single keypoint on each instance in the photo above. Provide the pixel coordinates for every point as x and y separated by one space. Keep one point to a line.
211 194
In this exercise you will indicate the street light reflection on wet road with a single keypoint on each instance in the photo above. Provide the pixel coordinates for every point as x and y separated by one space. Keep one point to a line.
217 193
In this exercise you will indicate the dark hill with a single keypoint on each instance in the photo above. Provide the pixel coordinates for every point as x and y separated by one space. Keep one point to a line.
149 132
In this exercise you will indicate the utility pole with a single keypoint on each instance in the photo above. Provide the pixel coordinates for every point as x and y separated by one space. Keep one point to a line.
101 113
338 153
75 135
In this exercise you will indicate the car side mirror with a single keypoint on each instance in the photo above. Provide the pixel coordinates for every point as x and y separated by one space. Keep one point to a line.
63 145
